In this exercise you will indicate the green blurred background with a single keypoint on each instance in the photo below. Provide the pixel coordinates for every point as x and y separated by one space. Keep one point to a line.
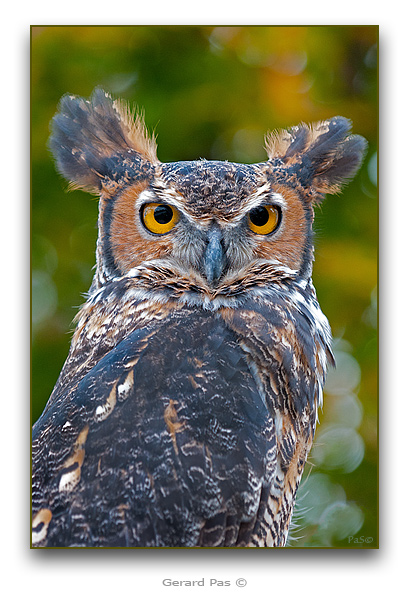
214 92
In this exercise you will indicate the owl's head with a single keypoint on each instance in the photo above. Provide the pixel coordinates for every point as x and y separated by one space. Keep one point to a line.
217 225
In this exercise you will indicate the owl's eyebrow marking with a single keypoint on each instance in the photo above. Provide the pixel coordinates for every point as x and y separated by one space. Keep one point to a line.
278 200
263 195
146 195
161 193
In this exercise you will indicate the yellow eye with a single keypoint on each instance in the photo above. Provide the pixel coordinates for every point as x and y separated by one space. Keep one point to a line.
159 218
264 219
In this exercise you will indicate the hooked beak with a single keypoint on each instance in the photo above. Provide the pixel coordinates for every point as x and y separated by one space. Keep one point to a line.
214 256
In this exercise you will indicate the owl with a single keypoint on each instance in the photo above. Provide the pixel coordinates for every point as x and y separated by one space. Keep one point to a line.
186 409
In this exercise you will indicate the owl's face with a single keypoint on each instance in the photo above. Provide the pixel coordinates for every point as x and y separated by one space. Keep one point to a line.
211 219
211 222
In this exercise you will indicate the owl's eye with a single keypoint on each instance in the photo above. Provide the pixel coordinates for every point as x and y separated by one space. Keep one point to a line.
264 219
159 218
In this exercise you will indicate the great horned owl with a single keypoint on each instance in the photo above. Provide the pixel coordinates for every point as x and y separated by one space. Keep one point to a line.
185 411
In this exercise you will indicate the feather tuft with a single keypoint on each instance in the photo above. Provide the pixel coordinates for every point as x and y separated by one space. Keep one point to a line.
323 156
99 141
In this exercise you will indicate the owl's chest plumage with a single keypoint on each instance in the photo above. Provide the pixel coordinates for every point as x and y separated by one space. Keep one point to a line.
181 425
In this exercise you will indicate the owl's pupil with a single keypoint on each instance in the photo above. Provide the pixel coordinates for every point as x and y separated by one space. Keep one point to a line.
259 216
163 214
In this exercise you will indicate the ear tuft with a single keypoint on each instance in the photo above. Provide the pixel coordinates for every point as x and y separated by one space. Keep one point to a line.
322 156
99 138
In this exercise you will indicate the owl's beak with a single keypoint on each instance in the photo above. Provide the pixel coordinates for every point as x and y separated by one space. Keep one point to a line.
214 256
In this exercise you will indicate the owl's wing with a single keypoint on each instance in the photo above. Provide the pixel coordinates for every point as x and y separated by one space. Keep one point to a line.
287 341
165 442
